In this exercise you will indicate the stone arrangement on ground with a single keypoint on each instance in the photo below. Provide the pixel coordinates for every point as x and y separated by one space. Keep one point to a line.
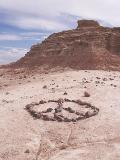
62 113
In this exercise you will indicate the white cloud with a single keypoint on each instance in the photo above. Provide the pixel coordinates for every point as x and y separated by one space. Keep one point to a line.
31 34
10 37
23 36
9 54
37 14
37 23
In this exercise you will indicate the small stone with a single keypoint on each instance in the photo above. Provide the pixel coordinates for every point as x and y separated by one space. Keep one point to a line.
104 79
27 151
65 93
86 94
45 87
7 93
49 110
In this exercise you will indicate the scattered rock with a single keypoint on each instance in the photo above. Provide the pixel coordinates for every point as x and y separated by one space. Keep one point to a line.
5 85
104 79
62 147
86 94
27 151
20 77
98 77
45 87
65 93
114 85
1 75
7 93
97 82
111 79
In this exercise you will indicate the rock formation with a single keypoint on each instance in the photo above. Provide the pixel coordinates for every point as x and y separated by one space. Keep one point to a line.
87 23
89 46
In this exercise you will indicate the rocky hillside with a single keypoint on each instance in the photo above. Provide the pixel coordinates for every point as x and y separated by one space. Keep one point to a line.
89 46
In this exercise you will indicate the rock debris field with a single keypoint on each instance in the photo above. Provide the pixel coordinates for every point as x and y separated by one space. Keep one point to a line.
60 115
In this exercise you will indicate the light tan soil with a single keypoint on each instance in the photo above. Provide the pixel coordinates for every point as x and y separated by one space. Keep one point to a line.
24 138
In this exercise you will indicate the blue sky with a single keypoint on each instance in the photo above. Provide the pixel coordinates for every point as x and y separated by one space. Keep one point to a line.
23 23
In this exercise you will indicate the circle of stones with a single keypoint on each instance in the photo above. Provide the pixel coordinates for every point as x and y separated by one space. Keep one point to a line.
58 111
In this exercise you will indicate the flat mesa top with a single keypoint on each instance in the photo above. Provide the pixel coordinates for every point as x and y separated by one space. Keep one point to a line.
87 23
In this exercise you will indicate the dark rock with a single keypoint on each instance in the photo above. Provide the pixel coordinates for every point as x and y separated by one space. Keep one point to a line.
45 87
27 151
49 110
86 94
65 93
87 23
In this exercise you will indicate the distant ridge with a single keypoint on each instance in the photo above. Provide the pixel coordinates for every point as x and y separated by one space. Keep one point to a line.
89 46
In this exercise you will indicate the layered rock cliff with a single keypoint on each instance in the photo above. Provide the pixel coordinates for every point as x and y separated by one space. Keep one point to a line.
89 46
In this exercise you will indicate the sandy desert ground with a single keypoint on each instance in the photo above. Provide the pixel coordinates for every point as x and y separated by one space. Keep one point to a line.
24 138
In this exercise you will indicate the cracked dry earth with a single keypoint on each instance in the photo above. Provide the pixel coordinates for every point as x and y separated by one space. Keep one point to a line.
96 138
